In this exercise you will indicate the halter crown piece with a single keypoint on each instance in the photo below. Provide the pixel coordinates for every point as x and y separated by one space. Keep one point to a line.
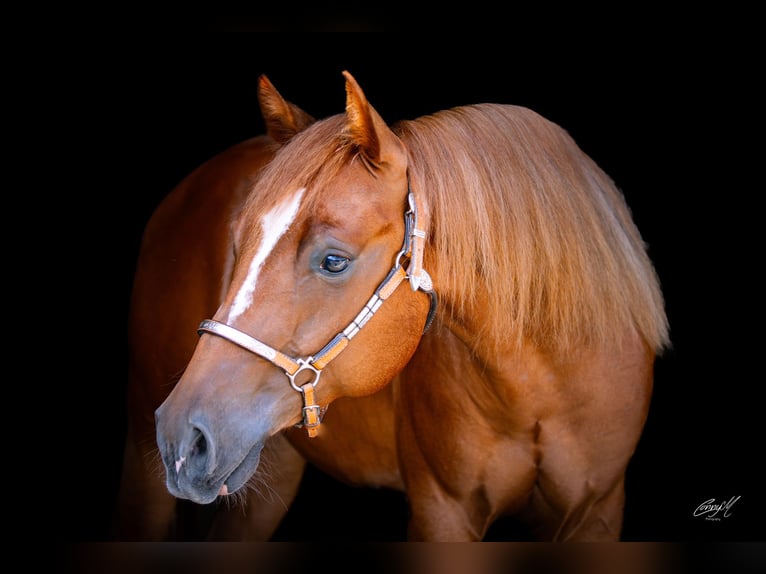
412 250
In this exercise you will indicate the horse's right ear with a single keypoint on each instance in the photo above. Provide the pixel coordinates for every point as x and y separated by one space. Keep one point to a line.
283 119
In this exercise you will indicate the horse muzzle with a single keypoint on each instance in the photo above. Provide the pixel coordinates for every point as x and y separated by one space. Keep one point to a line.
196 469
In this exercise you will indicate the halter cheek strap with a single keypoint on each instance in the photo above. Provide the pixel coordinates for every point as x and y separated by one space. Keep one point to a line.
412 249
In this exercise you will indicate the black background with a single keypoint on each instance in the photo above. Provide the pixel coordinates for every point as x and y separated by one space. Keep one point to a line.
674 125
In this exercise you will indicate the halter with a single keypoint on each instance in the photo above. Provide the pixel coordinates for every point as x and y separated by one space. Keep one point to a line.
412 249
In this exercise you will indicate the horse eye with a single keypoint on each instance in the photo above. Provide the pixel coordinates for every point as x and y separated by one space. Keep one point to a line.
335 263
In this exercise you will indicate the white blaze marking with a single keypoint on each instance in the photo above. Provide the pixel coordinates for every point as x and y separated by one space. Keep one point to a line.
274 224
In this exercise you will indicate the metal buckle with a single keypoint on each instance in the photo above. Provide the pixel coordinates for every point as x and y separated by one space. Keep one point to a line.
317 412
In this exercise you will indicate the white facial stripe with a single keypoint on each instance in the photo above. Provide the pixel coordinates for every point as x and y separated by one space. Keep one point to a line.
274 225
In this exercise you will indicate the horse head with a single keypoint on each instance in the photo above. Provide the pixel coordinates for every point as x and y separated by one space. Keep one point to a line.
314 308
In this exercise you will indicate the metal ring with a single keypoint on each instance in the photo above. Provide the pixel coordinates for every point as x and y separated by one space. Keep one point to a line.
305 365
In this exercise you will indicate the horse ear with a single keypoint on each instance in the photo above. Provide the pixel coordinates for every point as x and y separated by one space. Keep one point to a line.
283 119
367 129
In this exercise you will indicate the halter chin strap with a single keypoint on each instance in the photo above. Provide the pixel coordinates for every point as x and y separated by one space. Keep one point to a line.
412 249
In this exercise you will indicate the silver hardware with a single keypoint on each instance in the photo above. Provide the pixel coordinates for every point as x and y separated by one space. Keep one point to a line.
305 365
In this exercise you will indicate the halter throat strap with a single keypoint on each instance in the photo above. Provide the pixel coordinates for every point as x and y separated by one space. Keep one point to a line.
412 248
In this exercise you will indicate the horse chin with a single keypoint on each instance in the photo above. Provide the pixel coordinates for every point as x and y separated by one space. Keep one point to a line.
244 471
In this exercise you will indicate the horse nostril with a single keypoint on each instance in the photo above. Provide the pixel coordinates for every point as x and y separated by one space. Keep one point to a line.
200 455
198 448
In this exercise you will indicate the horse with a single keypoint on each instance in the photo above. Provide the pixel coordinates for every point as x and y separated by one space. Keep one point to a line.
459 307
180 272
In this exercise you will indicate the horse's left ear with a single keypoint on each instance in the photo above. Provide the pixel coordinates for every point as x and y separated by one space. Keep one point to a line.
283 119
367 129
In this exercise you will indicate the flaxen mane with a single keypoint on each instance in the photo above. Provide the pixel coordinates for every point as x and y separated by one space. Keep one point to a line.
525 224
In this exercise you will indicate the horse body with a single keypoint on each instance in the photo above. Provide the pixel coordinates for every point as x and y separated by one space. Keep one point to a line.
472 442
527 395
524 436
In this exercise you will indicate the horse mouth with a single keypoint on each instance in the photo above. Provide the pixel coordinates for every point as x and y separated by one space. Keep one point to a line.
203 490
242 473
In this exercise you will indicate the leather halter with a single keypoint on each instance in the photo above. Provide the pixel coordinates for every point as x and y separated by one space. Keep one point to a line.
412 249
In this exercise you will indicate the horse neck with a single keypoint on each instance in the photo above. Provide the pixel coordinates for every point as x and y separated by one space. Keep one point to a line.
467 323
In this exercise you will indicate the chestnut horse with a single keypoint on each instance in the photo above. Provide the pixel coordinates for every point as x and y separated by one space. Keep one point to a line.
528 393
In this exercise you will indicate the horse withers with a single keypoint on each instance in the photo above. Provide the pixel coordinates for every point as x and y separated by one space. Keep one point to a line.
528 393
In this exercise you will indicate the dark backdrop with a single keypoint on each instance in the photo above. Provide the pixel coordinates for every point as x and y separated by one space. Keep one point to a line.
670 127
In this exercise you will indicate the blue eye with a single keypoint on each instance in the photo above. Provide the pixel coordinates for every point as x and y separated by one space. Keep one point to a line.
335 263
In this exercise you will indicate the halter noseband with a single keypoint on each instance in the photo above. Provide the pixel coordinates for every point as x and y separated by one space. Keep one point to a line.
412 248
